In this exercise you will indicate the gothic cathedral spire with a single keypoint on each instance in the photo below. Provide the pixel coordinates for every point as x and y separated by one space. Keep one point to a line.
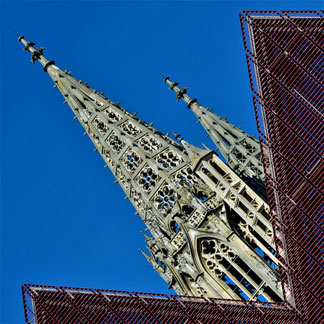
207 225
240 150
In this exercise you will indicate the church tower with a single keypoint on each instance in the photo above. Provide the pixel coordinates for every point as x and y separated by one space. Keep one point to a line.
209 229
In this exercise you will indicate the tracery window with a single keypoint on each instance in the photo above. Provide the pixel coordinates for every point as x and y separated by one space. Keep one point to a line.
186 177
131 160
148 178
223 263
137 199
168 159
100 125
131 129
149 143
122 179
115 143
164 199
108 158
112 115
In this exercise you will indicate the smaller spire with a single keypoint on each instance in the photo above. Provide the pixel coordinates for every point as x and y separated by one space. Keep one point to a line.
181 93
145 255
36 54
147 237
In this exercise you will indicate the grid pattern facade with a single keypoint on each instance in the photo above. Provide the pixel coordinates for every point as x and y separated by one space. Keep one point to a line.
48 304
285 58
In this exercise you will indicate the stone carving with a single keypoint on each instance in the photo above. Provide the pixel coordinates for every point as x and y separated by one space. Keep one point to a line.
131 160
148 178
168 159
130 128
149 143
115 143
164 199
100 125
112 115
186 177
174 185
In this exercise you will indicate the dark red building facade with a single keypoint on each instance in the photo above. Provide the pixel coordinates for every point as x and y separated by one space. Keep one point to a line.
285 57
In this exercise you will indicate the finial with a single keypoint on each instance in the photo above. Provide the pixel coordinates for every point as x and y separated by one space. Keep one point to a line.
146 256
181 93
205 147
147 237
36 54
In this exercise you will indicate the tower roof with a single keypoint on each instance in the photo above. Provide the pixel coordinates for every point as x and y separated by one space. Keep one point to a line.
240 150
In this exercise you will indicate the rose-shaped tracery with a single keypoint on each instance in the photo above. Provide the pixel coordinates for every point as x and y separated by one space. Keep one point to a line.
100 126
186 177
168 159
148 178
131 160
164 199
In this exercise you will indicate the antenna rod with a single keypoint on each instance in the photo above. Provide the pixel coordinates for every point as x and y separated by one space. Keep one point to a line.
13 31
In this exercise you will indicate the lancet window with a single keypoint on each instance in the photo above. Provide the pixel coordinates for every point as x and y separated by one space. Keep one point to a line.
223 263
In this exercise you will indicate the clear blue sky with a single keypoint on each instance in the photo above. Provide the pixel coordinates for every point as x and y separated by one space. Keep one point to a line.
63 221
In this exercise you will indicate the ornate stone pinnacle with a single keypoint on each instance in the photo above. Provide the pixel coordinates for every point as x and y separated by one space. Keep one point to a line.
181 193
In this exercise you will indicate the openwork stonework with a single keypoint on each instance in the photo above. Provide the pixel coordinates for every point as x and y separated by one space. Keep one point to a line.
148 179
130 129
149 143
168 159
115 143
112 115
131 161
165 199
238 252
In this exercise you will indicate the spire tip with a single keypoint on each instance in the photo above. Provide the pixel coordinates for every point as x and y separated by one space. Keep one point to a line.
20 37
165 78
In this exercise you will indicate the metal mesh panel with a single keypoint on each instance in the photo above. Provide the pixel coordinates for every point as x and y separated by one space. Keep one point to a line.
285 58
48 304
